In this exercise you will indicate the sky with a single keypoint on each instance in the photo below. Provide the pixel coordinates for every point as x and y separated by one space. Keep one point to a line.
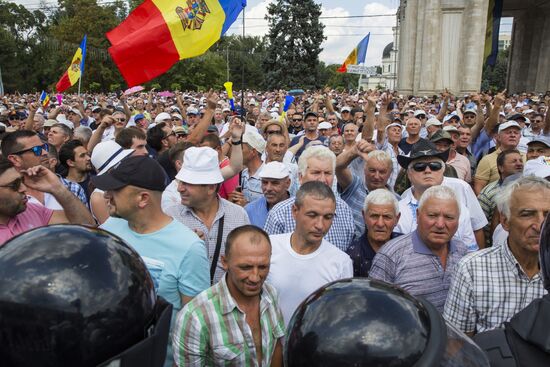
342 34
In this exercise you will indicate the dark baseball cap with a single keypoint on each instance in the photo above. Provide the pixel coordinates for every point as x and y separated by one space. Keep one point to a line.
139 171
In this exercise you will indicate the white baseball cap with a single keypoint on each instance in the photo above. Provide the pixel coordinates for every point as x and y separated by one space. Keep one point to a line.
276 170
106 154
507 125
255 140
162 116
539 167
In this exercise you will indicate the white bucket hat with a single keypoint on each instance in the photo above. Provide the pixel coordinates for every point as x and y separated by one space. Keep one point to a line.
200 167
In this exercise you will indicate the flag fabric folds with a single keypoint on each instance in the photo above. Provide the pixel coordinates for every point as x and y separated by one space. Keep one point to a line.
491 33
44 99
159 33
357 55
75 70
1 84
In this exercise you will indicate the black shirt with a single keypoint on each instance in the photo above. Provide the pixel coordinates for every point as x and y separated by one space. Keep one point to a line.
362 254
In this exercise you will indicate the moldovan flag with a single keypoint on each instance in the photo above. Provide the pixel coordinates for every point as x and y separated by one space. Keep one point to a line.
44 99
357 56
74 72
159 33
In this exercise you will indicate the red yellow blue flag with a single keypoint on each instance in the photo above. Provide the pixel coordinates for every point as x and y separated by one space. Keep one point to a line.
159 33
44 99
357 55
75 70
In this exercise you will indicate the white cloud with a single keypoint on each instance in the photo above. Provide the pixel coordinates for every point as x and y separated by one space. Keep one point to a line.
343 34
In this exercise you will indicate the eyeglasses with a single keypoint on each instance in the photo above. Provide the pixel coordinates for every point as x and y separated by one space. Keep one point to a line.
469 116
15 118
421 166
296 120
14 185
421 116
37 150
181 135
175 119
169 135
269 132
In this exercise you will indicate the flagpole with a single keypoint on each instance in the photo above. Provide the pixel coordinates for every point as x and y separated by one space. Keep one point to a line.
79 80
242 74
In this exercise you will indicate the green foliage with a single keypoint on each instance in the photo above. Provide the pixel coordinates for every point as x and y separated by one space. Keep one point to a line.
242 56
94 87
175 86
295 37
494 78
114 87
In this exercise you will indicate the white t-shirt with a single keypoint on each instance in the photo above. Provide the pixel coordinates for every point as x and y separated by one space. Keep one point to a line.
170 196
296 276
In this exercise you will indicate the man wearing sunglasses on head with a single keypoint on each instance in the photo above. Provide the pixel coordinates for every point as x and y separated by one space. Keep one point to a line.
424 168
18 214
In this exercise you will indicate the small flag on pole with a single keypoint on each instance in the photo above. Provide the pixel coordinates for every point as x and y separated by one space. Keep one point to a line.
44 99
75 70
357 55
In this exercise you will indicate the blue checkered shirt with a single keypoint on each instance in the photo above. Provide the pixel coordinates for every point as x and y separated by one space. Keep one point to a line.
76 189
341 232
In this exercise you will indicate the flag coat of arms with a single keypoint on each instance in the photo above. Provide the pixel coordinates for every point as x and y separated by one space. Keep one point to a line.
159 33
75 70
357 55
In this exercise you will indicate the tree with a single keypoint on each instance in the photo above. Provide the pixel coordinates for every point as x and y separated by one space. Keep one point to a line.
294 44
243 54
494 77
343 80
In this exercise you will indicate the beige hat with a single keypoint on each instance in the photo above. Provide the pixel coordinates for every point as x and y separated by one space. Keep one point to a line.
50 123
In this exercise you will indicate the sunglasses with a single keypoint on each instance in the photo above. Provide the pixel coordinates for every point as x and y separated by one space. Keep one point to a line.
421 166
269 132
175 119
296 120
14 185
16 118
37 150
121 119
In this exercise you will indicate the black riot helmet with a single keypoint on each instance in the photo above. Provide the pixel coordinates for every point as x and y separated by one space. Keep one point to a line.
544 253
76 296
362 322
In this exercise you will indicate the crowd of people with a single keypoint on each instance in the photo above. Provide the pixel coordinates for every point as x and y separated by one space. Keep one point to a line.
241 213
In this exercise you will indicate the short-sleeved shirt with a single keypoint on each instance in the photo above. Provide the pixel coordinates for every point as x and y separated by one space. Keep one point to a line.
211 330
408 263
296 276
175 257
341 232
234 216
362 254
489 287
34 216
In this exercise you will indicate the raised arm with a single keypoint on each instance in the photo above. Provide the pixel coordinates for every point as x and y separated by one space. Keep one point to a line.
202 126
42 179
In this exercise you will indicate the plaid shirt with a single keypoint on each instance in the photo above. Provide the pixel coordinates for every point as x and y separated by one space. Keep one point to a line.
76 189
211 330
489 287
341 232
234 216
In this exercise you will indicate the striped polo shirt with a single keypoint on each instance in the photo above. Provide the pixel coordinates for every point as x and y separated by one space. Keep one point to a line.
211 330
408 263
